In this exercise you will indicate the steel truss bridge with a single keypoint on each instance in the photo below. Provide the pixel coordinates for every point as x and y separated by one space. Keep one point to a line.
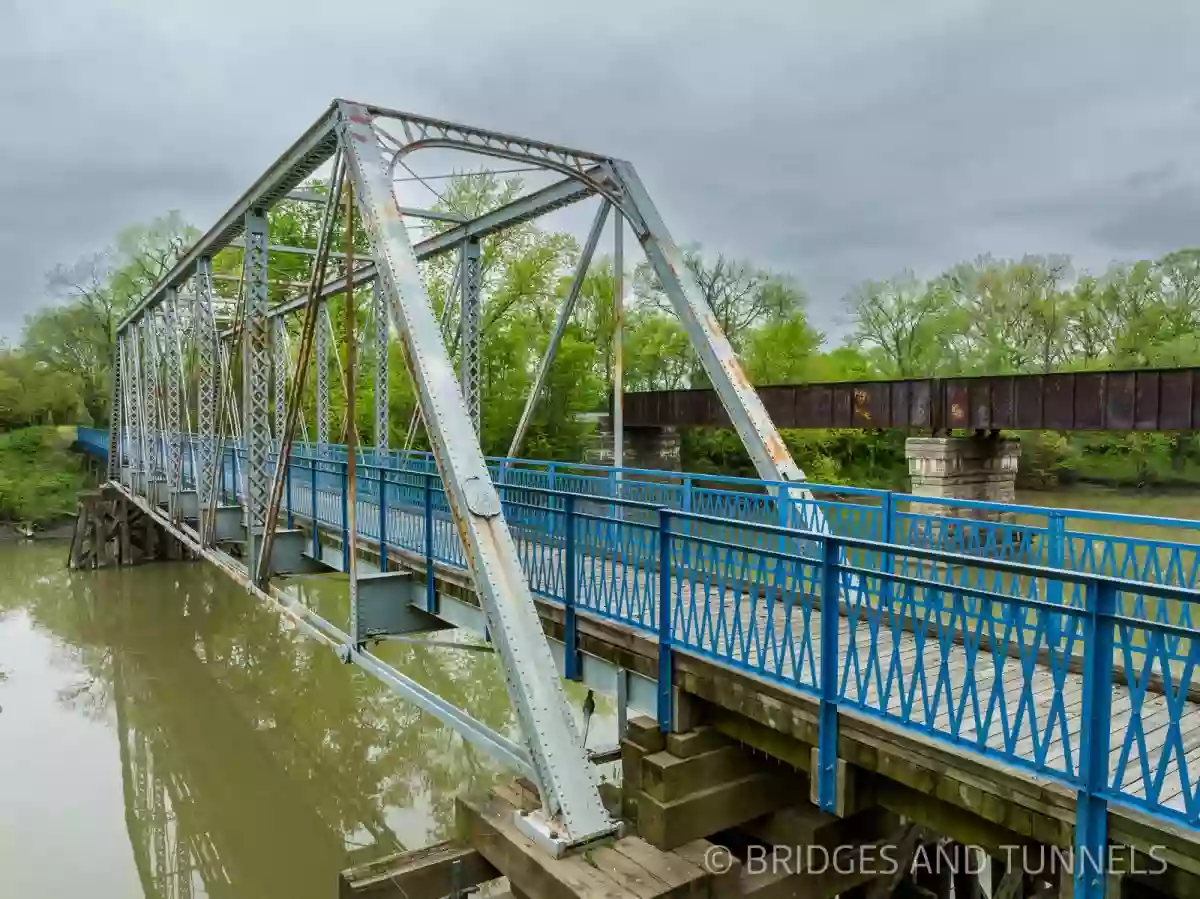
1046 644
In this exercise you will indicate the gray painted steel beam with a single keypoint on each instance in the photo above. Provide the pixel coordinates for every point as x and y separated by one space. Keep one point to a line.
557 195
564 775
382 328
761 438
297 163
469 323
256 367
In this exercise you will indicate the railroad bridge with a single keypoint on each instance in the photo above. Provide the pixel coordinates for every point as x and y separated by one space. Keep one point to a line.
955 450
794 665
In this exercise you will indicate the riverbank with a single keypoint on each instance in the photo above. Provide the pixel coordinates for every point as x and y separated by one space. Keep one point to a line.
40 478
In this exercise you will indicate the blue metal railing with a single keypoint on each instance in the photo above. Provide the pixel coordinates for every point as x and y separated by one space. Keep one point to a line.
1007 674
1010 649
1163 551
92 441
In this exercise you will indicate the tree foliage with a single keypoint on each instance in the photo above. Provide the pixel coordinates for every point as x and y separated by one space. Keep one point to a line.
988 315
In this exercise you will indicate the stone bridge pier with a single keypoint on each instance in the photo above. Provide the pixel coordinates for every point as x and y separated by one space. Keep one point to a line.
654 448
982 467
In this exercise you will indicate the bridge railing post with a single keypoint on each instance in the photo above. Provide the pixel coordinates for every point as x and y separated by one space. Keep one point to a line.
827 724
1056 551
571 660
312 493
287 475
1091 807
430 586
345 515
665 635
887 534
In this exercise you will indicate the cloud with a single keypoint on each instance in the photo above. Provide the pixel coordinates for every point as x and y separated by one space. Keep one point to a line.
838 142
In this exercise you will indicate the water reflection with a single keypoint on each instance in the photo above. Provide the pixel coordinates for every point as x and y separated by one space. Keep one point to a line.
253 763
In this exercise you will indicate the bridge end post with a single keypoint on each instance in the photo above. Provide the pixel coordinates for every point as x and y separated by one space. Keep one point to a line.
826 771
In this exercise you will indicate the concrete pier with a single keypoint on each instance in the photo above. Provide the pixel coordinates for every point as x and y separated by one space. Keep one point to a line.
652 448
981 468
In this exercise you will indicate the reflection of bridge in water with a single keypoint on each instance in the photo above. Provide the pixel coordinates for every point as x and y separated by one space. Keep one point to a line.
213 804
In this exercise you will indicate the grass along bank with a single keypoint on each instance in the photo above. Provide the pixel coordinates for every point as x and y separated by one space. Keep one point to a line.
40 476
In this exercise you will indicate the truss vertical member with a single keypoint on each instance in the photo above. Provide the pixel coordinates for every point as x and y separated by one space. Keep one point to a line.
116 445
255 385
469 325
279 363
150 424
208 367
380 313
322 364
565 777
173 372
746 411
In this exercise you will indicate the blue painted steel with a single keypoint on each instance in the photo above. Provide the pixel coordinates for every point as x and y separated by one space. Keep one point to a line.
828 721
1091 816
665 634
571 660
951 627
287 474
344 470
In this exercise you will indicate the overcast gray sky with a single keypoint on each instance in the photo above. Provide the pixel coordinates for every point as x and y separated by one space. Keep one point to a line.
838 141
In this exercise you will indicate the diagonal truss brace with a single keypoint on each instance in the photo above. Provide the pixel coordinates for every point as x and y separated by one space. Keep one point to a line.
565 777
746 411
560 328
